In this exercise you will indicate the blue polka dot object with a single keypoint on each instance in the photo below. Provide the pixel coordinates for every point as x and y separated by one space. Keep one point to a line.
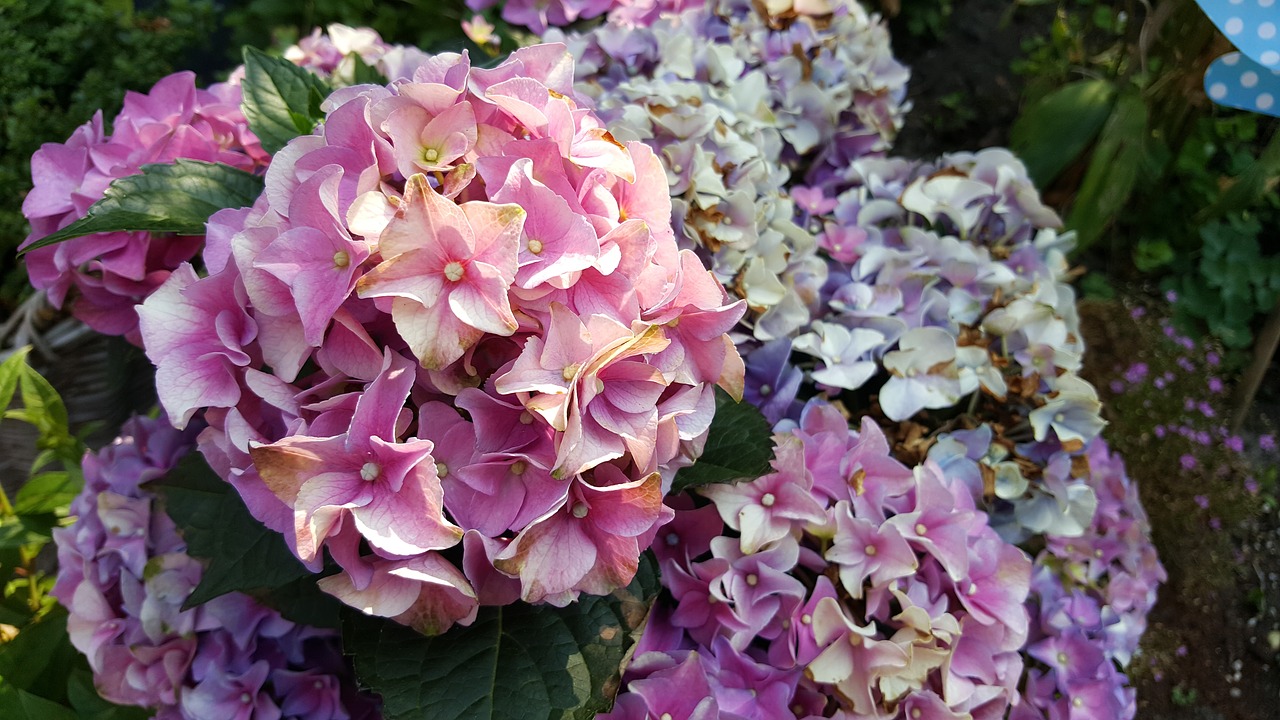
1236 81
1253 26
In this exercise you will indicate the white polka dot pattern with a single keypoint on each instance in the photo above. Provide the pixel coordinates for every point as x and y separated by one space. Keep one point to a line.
1236 81
1251 25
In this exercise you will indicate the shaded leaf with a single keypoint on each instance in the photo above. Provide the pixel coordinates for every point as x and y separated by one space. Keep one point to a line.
281 100
240 553
1152 254
175 197
518 662
17 704
20 530
1118 160
364 73
1055 130
303 602
39 652
739 446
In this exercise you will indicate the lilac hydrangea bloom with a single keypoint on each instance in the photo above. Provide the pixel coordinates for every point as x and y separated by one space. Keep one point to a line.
104 275
1090 597
929 613
124 575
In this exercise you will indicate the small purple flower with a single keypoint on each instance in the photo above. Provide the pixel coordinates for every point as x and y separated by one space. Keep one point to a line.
1171 296
1184 362
1213 358
1137 313
1215 385
1188 462
771 380
1206 409
1159 431
1235 443
1251 485
1160 383
1267 442
1117 387
1137 372
1215 523
1202 501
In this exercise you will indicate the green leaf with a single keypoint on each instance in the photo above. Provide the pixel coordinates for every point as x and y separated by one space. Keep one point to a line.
40 652
41 404
240 553
364 73
173 197
1152 254
10 370
17 704
1118 160
281 100
303 602
22 530
1055 130
739 447
48 492
519 662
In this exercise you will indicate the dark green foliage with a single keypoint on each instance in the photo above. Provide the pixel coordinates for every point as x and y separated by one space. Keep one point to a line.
432 25
240 553
175 198
1162 187
1231 281
64 60
518 662
739 447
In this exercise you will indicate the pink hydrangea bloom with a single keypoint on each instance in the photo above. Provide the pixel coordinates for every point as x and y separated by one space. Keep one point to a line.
103 276
457 310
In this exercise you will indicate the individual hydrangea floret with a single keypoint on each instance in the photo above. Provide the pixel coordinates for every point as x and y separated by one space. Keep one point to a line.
124 576
456 320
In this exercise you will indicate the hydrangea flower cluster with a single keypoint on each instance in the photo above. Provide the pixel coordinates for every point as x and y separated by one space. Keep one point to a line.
538 15
947 281
842 582
456 318
105 275
332 54
1090 597
124 575
722 94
